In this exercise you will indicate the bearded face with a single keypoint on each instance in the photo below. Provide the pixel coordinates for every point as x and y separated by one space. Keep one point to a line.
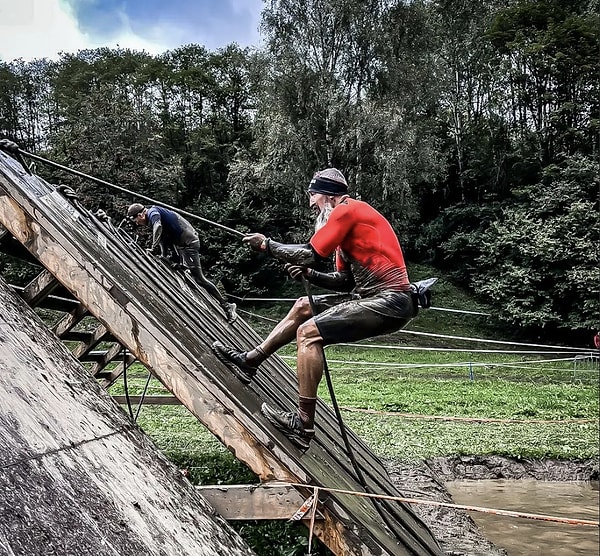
323 215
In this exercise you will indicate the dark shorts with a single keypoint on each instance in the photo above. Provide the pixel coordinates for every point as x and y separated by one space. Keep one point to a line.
347 318
190 254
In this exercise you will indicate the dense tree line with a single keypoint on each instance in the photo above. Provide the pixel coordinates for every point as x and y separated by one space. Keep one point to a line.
472 124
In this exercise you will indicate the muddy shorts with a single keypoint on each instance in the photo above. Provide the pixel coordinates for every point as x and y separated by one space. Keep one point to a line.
349 318
190 254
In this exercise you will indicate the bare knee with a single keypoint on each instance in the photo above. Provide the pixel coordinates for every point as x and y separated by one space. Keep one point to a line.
308 334
301 309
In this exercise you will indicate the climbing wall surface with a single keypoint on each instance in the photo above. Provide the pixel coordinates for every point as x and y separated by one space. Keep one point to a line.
169 325
76 477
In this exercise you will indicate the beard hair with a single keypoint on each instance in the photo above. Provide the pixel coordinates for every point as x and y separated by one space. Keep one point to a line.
323 216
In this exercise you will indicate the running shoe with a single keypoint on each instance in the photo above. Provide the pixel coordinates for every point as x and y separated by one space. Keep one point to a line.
290 425
230 312
236 361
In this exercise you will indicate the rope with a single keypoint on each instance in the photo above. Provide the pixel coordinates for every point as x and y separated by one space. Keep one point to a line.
555 349
360 477
453 364
465 419
290 299
126 386
142 397
313 514
128 191
255 315
484 341
458 364
508 513
467 350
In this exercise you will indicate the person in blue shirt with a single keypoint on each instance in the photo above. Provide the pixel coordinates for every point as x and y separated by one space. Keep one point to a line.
170 231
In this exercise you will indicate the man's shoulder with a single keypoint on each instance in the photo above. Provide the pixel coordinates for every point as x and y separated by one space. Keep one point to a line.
153 214
161 211
355 206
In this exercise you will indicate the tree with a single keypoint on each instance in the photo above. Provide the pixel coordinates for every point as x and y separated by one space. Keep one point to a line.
109 127
539 260
549 50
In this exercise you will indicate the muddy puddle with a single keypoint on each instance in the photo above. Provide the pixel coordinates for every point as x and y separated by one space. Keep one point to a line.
526 537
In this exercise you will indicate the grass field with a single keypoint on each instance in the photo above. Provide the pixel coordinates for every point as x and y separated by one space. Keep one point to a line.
442 397
527 405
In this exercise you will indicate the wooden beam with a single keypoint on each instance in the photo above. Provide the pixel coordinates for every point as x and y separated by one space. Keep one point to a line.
112 354
90 340
39 288
54 302
149 400
77 336
271 501
67 323
94 356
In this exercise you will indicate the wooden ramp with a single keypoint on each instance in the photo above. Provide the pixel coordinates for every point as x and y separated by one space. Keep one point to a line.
76 476
168 324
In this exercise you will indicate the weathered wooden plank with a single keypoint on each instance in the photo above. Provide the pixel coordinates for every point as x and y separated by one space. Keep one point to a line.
39 288
54 302
78 336
75 476
94 356
273 501
148 400
108 378
89 340
169 326
69 321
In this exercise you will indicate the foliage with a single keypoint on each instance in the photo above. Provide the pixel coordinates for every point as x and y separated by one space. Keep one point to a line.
450 117
547 242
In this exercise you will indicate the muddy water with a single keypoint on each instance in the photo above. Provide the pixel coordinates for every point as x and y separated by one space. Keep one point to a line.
526 537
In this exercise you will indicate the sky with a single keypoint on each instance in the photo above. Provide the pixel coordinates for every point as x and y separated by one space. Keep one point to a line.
31 29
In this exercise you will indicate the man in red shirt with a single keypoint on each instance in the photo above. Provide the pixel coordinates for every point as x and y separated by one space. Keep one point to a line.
369 267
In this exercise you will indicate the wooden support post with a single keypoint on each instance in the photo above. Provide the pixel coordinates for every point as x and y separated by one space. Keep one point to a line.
248 502
39 288
70 320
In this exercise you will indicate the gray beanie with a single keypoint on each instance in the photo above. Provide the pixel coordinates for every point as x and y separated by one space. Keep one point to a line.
329 182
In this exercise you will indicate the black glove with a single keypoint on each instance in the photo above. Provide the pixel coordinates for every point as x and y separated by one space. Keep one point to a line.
297 272
257 242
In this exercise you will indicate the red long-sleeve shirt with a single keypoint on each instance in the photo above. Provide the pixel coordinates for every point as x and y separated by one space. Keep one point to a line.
366 244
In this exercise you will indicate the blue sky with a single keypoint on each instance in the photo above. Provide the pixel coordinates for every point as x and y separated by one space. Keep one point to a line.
32 29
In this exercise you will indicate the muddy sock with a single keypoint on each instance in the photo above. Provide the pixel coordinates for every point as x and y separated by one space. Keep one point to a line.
306 411
255 356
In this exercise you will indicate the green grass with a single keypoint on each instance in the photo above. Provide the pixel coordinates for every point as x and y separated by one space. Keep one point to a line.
465 384
514 399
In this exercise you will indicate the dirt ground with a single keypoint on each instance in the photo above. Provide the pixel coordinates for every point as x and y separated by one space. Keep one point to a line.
456 532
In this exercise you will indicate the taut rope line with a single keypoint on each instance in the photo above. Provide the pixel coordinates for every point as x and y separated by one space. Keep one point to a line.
128 192
508 513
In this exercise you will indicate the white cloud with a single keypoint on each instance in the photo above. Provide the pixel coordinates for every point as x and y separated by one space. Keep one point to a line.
43 28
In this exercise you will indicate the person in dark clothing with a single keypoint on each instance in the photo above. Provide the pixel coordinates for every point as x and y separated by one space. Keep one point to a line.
170 231
369 268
